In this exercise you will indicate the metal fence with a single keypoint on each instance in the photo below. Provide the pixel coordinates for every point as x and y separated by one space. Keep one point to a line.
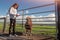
42 6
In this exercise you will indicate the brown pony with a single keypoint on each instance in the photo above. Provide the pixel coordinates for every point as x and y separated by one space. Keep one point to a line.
28 25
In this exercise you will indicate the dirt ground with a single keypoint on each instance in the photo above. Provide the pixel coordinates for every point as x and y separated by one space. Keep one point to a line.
20 36
26 38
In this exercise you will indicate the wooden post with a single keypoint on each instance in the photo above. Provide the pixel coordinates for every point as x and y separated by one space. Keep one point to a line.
4 25
22 20
58 18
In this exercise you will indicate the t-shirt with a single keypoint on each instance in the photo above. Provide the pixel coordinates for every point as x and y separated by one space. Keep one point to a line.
12 13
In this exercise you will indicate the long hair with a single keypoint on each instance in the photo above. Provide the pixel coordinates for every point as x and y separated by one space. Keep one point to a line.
14 5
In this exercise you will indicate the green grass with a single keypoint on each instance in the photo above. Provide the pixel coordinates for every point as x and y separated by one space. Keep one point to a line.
36 29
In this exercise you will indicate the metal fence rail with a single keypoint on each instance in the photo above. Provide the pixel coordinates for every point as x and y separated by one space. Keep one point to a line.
37 7
40 12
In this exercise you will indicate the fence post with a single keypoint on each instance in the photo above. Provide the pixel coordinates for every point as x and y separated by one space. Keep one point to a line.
4 24
22 19
58 17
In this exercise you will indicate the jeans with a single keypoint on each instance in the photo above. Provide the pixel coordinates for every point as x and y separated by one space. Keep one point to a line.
12 26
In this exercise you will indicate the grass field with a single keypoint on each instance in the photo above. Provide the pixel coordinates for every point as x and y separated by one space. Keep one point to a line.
36 29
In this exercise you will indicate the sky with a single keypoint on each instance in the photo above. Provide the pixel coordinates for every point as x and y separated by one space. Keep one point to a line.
23 4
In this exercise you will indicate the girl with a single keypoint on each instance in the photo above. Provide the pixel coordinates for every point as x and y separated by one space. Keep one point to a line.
13 14
28 25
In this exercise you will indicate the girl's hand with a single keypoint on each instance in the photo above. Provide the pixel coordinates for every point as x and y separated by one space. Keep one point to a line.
17 15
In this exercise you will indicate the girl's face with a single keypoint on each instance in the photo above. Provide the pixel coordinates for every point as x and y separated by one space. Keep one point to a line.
16 6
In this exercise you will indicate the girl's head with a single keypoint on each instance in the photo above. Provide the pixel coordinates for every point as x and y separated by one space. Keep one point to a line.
15 5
